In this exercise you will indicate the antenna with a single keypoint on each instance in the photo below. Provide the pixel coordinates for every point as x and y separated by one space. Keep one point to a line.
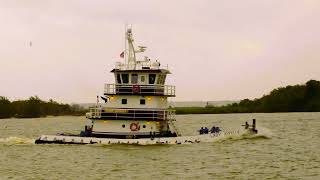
125 43
97 105
131 56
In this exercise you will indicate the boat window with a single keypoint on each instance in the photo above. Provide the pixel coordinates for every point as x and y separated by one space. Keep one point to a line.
125 78
159 79
143 78
163 79
118 79
134 78
123 125
152 78
144 126
142 101
124 101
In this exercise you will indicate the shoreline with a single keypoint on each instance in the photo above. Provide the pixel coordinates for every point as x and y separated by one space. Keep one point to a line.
50 116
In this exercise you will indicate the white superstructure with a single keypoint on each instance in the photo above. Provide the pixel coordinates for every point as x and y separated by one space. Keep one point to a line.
136 105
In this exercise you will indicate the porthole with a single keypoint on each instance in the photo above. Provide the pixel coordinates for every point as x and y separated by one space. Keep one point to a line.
144 126
123 125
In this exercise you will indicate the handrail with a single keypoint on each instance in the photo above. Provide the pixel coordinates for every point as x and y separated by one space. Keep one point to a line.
125 89
128 114
140 65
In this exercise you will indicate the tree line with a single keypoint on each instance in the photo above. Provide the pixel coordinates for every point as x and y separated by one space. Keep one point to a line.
35 107
297 98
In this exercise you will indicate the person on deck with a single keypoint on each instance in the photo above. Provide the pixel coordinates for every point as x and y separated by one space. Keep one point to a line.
201 130
213 129
246 126
206 130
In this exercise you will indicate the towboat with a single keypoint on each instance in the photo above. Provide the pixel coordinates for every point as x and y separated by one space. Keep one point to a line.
135 108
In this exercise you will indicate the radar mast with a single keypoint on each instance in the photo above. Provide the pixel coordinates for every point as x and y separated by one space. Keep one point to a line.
130 52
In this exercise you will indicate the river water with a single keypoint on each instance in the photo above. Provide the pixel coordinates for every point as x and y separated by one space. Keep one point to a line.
287 147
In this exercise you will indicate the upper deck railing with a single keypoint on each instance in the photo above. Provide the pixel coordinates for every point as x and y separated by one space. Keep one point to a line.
139 65
130 114
145 90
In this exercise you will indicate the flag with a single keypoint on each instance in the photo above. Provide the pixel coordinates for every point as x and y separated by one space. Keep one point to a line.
122 54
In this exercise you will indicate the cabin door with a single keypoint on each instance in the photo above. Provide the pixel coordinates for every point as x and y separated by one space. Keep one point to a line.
142 79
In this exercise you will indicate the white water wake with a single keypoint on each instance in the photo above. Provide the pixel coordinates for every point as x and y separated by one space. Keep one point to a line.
263 133
16 140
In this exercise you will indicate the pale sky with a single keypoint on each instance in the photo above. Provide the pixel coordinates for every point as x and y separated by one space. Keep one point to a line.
216 50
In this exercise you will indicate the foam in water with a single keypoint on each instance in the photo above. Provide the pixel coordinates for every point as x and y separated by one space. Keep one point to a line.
16 140
263 133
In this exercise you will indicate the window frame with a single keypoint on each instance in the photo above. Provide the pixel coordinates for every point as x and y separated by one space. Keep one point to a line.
119 81
136 78
124 101
122 78
149 78
142 100
163 78
142 77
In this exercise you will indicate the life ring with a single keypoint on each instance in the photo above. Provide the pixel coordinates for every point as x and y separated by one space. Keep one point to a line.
135 88
134 127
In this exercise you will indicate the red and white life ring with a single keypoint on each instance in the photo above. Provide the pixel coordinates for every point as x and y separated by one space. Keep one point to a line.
134 127
135 88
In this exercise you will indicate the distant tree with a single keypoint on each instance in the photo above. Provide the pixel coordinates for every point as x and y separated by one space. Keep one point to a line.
297 98
312 95
35 107
5 107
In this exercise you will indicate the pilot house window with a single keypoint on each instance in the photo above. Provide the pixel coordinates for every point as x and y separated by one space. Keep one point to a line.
125 78
134 78
142 78
152 78
118 78
160 79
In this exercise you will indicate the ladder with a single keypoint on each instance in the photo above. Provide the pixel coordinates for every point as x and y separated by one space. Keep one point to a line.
174 128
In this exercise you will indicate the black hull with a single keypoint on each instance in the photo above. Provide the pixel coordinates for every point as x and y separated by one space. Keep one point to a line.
39 141
104 136
139 136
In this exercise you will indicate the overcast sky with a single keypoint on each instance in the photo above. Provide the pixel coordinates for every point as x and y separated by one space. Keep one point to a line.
216 50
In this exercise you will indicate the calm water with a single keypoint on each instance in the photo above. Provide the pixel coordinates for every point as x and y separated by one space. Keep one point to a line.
288 147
